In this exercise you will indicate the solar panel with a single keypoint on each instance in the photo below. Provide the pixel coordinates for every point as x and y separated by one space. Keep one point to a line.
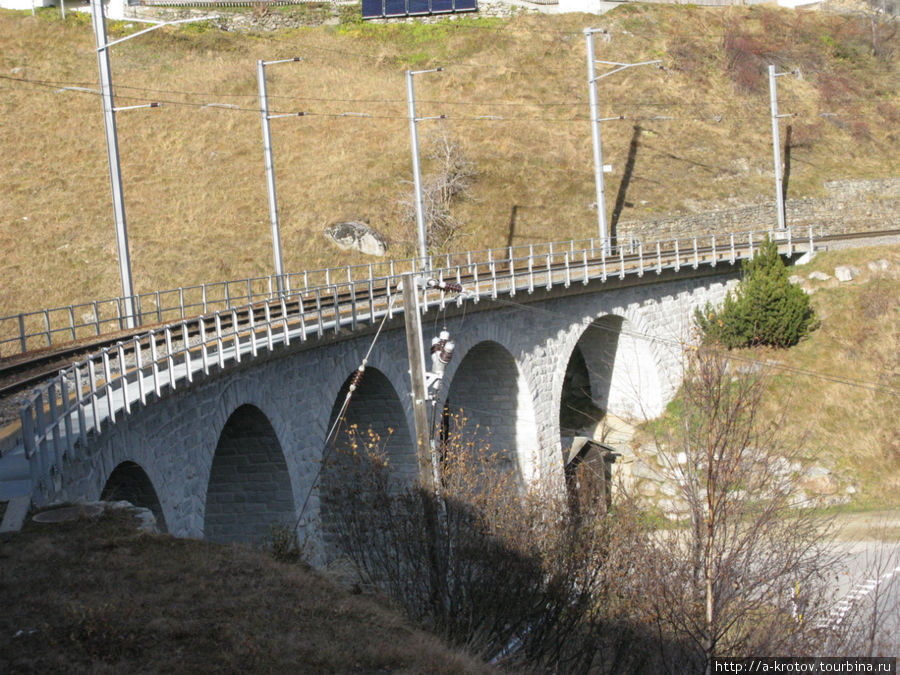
395 7
372 9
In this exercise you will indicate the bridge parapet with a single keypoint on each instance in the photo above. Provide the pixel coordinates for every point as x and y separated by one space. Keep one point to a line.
62 415
27 331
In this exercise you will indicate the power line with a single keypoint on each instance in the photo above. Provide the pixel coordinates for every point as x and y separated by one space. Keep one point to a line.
727 354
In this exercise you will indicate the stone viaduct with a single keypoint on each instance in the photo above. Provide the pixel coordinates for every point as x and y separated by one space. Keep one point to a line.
242 447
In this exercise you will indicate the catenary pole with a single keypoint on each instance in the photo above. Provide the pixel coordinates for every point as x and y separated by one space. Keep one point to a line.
776 145
417 172
112 150
602 225
98 20
603 231
416 352
270 168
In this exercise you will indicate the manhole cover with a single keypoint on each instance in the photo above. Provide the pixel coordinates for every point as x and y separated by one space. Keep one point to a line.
67 513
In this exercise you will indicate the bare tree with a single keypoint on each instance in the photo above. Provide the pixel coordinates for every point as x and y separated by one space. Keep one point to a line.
449 182
752 567
883 26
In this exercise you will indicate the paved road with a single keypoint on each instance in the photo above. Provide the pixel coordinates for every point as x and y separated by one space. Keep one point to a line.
872 576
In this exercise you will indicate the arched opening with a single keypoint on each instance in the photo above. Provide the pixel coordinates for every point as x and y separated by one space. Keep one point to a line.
129 482
490 401
584 399
373 424
611 381
249 485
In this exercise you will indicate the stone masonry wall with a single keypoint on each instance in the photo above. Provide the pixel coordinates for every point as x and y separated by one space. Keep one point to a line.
851 206
178 439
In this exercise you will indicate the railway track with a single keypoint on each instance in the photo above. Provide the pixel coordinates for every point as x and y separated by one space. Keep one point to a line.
19 373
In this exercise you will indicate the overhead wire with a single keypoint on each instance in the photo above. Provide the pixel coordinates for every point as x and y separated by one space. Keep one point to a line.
339 418
671 342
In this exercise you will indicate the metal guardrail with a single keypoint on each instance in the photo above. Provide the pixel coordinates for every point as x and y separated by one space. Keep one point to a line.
26 331
59 416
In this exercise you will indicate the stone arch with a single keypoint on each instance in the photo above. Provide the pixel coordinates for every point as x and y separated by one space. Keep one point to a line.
249 485
129 482
613 369
491 394
375 415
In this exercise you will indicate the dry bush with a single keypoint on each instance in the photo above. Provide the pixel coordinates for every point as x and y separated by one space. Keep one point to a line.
447 183
728 585
509 574
805 135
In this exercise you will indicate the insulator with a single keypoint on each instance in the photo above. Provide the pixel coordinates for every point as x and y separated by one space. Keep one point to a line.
357 378
444 335
445 285
436 344
447 352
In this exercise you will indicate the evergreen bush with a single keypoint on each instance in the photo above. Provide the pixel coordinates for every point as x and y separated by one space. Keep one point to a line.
765 309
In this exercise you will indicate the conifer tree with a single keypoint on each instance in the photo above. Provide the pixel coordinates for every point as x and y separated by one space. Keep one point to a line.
765 309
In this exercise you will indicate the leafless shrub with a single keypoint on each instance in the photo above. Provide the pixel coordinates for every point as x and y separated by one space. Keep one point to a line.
511 575
449 182
753 565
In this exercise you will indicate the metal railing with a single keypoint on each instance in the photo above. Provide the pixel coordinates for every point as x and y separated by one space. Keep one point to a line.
27 331
60 415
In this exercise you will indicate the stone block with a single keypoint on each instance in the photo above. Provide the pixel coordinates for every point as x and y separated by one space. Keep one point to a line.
846 272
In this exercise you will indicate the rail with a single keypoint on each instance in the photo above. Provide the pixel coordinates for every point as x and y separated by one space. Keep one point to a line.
27 331
60 414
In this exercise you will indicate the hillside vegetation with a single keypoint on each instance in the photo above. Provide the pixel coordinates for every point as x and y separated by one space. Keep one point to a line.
194 177
96 595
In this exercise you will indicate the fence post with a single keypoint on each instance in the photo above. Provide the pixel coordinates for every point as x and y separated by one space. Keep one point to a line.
41 429
72 321
154 367
67 420
584 260
92 384
25 414
54 424
123 371
22 339
47 327
139 369
79 390
170 356
186 348
107 375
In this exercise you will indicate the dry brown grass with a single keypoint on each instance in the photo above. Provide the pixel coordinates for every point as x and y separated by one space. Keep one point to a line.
96 596
844 422
194 178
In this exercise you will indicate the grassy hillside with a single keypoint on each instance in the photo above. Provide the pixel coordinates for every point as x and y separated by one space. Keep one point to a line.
194 176
837 390
846 416
98 596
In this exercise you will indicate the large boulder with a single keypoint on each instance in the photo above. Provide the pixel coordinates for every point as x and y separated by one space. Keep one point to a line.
357 236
